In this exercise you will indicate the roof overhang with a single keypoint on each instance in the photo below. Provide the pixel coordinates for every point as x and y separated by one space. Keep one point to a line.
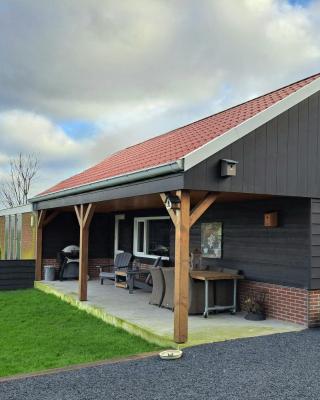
161 170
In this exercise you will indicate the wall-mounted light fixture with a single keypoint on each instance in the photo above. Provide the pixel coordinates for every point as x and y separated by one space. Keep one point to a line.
228 167
172 202
32 220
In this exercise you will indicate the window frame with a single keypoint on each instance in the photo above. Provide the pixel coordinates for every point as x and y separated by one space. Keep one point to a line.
136 222
117 219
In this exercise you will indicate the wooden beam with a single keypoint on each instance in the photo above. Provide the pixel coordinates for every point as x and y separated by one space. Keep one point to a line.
171 212
201 207
40 219
77 211
88 215
181 280
50 217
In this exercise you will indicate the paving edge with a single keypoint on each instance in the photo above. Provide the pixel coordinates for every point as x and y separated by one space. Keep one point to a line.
75 367
108 318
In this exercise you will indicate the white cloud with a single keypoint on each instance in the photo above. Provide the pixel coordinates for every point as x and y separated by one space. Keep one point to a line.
136 68
58 154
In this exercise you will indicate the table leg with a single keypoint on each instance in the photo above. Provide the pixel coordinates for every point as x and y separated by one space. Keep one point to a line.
234 296
131 282
206 300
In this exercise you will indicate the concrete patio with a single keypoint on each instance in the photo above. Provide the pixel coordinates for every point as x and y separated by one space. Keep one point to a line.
133 313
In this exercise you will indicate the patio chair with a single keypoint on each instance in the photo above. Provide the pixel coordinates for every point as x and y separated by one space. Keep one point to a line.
122 260
158 287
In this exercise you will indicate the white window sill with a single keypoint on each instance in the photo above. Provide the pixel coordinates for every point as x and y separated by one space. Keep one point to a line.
142 255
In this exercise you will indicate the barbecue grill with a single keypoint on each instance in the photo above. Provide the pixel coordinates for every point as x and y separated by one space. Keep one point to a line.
68 259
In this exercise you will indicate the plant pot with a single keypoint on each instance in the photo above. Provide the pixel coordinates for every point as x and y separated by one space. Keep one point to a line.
255 316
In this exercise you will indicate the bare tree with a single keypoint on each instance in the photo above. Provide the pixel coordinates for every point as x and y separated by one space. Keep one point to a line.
14 191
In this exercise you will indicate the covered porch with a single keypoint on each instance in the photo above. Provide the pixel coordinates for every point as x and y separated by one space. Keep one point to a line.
155 324
241 213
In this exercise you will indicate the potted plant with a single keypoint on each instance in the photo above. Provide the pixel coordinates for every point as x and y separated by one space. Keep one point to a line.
254 306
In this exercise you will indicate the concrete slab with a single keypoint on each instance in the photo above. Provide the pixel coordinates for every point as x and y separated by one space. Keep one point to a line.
133 313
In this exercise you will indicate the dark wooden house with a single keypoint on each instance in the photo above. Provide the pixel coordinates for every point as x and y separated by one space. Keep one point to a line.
253 170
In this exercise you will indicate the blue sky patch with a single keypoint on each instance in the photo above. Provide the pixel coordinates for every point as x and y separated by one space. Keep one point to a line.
302 3
79 129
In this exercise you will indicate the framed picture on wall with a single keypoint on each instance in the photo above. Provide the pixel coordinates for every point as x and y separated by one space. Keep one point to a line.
211 240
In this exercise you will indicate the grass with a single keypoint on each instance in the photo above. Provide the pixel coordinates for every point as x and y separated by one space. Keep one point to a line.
38 332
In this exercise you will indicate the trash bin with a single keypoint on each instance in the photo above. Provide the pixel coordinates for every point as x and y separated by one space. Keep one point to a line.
49 273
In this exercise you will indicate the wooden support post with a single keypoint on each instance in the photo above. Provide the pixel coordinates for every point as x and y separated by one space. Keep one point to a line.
84 215
40 223
181 284
183 221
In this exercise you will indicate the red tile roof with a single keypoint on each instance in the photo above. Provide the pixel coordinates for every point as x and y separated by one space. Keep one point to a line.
176 144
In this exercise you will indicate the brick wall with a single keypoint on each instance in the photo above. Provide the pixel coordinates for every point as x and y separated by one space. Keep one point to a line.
28 237
314 308
285 303
93 263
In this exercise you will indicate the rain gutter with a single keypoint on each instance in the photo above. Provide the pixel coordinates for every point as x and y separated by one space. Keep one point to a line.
165 169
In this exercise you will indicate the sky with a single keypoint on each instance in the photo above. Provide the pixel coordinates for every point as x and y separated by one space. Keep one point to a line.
81 79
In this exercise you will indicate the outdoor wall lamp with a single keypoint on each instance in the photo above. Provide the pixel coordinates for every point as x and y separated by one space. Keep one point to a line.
172 202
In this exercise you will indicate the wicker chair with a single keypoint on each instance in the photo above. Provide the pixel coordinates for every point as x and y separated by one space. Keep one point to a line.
168 274
158 286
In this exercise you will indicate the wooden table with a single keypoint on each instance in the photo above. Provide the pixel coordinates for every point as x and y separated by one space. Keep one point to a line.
130 275
207 276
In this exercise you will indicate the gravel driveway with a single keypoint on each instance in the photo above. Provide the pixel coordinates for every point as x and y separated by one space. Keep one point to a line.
284 366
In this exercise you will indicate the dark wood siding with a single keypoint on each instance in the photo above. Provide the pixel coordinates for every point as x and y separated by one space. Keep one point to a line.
277 255
279 158
315 244
16 274
64 230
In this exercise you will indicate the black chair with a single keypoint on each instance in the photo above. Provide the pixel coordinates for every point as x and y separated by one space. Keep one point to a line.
122 260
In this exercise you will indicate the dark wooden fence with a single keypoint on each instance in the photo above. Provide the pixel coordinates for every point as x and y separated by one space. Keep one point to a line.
16 274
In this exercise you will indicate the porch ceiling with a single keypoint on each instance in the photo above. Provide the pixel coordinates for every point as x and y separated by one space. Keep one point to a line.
153 201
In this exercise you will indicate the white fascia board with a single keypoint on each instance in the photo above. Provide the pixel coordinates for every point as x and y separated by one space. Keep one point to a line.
16 210
246 127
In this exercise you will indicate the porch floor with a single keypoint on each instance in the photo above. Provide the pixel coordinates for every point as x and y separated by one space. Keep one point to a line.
133 313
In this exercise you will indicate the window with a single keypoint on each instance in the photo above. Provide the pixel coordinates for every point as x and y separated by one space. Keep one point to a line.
151 237
119 233
13 227
211 240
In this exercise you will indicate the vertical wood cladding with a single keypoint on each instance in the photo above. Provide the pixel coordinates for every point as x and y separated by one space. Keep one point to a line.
281 157
278 255
315 244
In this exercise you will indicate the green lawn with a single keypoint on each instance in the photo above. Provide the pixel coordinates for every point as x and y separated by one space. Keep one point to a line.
38 331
